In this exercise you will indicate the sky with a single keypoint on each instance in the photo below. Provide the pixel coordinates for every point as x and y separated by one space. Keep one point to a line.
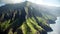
48 2
53 1
43 2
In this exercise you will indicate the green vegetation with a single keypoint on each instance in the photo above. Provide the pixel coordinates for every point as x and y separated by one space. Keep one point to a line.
5 25
30 26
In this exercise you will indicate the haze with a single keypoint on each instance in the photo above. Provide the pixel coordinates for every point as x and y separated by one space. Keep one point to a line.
43 2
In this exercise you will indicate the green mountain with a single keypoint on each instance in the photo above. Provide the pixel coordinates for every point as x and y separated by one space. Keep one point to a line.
25 18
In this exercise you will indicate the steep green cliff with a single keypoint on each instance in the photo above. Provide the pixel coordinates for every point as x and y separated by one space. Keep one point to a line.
24 18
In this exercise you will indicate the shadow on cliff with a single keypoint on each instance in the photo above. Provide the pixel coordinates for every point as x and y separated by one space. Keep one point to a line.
16 23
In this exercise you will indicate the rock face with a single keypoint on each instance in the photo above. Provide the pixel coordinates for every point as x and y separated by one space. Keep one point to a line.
25 18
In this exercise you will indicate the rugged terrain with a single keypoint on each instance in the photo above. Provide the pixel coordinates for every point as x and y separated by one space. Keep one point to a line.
25 18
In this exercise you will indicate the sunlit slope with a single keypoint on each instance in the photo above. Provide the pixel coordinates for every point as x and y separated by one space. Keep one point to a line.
23 18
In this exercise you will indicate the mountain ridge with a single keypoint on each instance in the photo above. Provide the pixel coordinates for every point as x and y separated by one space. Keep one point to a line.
25 17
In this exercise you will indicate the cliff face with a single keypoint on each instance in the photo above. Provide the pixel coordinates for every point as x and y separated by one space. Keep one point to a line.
25 18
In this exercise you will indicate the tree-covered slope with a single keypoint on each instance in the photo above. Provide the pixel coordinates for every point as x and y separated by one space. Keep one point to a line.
23 18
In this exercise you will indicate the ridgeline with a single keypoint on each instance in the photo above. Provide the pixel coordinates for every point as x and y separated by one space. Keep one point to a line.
25 18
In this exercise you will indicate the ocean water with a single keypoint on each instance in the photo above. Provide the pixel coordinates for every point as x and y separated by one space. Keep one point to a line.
55 27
